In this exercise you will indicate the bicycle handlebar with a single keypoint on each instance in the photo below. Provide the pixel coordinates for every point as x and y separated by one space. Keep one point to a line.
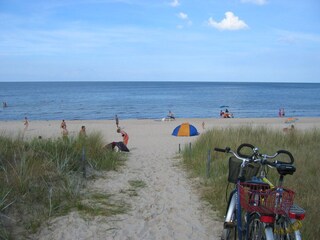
228 150
287 153
246 145
256 156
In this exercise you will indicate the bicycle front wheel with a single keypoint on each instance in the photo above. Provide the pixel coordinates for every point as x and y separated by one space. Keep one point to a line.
230 228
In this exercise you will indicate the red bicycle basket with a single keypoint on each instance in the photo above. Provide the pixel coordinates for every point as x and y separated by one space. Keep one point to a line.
256 197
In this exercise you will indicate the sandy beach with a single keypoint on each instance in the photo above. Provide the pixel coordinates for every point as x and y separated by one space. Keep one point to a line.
169 206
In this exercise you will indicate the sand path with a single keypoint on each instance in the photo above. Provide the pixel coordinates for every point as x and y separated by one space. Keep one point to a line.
168 207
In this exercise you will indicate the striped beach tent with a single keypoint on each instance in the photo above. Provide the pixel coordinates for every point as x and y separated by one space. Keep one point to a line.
185 130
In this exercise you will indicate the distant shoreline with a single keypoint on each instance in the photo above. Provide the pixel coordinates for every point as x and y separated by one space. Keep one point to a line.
153 100
158 81
160 119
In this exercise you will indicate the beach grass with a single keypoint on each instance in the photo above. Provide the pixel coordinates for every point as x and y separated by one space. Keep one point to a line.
304 145
41 178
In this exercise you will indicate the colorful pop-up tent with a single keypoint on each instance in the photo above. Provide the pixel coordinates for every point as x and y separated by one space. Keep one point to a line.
185 130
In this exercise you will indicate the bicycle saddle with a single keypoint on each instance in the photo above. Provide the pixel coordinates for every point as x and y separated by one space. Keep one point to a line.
284 169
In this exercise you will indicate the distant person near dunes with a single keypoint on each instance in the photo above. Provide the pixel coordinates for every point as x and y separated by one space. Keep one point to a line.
63 124
26 123
117 120
82 132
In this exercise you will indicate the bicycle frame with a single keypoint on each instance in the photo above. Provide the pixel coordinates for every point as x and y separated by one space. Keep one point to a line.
238 205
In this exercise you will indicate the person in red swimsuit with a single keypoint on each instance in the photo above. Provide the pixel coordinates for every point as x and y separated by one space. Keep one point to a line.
124 135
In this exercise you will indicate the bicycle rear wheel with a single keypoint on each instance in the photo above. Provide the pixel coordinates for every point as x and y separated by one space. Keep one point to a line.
286 229
256 228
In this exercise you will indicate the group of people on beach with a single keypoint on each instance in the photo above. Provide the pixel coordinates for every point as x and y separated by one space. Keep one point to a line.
65 132
226 114
83 133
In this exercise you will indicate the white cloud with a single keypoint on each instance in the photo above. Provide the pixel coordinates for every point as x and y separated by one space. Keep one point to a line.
258 2
183 16
175 3
230 22
297 37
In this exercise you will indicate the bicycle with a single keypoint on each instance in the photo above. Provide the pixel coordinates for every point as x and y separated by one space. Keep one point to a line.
256 209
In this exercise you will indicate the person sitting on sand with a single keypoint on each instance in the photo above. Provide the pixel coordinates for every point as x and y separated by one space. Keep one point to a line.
226 114
124 135
170 115
291 128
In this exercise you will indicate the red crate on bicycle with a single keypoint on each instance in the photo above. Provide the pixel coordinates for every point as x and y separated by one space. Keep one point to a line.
258 197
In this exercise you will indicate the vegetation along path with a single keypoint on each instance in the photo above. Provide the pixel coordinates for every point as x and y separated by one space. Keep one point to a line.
158 198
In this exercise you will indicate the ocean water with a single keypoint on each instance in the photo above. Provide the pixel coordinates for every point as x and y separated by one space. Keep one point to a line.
153 100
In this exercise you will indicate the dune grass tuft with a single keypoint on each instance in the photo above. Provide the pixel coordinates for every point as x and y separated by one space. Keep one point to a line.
41 178
304 145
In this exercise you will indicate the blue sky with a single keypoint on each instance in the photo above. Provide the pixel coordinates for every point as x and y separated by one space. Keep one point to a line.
160 40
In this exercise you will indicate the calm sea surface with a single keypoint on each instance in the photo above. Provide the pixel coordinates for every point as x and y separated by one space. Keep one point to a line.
153 100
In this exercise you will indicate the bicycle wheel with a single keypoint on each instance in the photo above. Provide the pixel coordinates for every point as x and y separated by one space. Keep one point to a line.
286 229
230 228
256 228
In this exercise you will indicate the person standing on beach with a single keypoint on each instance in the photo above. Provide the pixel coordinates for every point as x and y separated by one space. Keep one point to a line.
281 112
26 123
64 132
117 120
82 132
63 124
124 135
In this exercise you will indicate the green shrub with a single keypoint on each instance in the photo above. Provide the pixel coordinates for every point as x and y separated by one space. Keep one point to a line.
44 177
304 145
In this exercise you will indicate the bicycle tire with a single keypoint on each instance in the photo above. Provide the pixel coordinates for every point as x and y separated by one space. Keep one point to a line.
256 228
285 229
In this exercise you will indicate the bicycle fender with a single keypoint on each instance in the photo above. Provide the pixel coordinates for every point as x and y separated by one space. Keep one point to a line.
231 206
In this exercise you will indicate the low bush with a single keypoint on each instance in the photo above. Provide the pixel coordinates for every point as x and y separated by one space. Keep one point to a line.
42 178
304 145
